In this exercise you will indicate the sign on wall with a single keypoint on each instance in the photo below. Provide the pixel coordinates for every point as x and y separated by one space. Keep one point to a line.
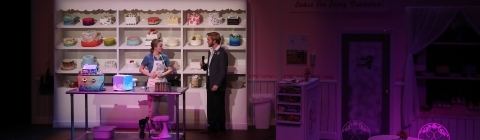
306 6
296 47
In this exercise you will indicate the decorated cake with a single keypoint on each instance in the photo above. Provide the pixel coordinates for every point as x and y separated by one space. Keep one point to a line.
89 60
70 20
131 19
88 21
172 42
215 18
109 42
68 64
196 40
69 42
151 35
122 82
194 19
153 20
91 39
233 20
131 65
173 20
107 20
235 39
90 79
110 65
133 41
175 65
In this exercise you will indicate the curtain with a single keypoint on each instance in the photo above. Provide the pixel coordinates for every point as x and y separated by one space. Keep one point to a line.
424 25
472 15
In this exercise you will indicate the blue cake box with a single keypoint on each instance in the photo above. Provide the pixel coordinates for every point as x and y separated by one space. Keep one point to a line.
122 82
91 82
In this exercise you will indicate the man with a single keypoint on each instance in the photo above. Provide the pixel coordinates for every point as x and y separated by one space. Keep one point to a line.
216 84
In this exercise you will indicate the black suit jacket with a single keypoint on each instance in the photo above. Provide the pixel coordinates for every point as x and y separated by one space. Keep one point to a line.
218 69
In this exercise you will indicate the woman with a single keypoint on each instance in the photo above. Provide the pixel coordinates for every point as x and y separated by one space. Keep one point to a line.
158 66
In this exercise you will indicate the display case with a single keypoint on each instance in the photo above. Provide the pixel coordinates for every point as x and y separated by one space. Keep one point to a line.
120 20
296 109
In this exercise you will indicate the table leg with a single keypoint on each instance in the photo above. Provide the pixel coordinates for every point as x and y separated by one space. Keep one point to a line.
72 128
177 116
184 116
86 113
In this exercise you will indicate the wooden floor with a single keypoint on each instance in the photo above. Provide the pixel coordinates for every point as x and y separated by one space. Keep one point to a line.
46 132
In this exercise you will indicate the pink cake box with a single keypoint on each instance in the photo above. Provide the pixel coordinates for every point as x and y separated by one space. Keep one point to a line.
103 132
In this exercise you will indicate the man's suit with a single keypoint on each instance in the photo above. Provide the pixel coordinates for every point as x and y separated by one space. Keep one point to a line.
217 70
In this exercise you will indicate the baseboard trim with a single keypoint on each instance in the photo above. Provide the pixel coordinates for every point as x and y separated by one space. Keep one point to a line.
134 124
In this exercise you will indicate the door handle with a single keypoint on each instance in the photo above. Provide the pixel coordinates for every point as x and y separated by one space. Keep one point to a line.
386 91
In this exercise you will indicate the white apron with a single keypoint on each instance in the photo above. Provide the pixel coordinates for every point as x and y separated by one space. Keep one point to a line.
158 68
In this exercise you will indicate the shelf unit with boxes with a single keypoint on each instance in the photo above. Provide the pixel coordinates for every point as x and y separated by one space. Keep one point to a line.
448 74
296 108
184 56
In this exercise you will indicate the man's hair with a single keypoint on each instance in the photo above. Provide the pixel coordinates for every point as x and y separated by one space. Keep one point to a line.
215 37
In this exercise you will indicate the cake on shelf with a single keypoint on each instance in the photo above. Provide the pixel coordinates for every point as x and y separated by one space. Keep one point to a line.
131 65
233 20
88 21
215 18
70 20
122 82
173 20
196 40
107 20
109 42
68 64
235 39
110 65
172 41
91 39
90 79
153 21
89 60
175 65
69 42
133 41
131 19
194 19
151 35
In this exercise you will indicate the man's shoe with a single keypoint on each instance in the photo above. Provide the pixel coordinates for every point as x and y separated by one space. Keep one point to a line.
220 134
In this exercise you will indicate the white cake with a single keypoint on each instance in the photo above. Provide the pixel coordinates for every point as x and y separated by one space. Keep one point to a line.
131 65
131 19
196 40
152 34
107 20
172 41
110 65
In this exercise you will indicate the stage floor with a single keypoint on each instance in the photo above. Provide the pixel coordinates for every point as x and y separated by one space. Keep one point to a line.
127 136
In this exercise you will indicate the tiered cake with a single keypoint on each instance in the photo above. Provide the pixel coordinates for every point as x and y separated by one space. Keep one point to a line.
131 19
196 40
107 20
122 82
151 35
90 79
89 60
91 39
235 39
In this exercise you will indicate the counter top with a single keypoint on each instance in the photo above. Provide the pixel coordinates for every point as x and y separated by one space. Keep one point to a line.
136 91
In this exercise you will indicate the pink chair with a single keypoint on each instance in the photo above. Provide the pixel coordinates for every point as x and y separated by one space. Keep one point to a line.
355 130
433 131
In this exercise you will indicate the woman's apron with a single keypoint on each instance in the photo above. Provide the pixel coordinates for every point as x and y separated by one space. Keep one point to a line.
154 101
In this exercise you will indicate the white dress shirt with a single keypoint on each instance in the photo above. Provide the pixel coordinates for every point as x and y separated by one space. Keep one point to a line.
210 59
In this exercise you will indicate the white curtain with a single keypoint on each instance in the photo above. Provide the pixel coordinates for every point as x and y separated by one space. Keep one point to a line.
425 25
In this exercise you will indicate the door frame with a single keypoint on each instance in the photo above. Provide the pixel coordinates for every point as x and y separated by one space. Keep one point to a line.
394 115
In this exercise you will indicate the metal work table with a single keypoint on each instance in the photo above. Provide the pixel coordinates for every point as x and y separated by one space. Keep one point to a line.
137 91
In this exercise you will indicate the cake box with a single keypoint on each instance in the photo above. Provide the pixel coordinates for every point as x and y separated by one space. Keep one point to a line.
91 82
122 82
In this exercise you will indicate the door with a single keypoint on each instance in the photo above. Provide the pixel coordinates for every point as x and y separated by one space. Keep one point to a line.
365 85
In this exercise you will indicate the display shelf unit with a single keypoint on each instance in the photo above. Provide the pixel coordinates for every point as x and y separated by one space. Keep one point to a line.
122 53
450 93
296 109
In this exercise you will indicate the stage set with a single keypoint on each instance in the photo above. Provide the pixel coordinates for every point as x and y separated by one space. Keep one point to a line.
406 72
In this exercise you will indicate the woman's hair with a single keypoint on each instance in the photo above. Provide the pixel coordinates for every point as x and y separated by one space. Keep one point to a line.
154 44
215 37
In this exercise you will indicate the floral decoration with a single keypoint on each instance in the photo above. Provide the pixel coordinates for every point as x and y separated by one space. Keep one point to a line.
403 135
234 35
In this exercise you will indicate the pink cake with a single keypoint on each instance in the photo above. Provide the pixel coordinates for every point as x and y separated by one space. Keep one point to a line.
194 19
